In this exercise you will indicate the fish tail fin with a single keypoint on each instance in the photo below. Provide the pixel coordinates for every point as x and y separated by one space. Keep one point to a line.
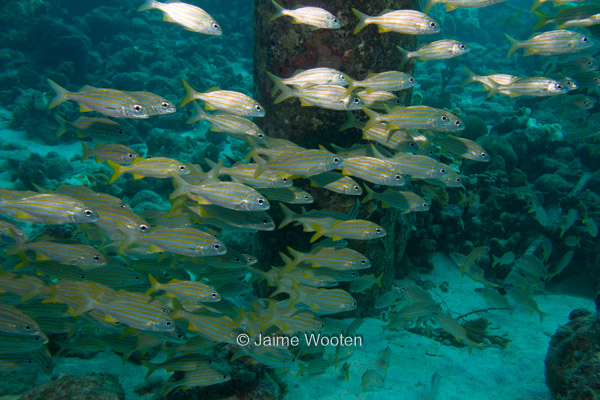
289 216
514 45
62 128
404 54
117 170
493 90
494 261
262 164
372 117
362 20
379 280
428 5
189 93
181 187
536 4
319 230
151 368
85 306
61 94
153 285
369 196
301 370
297 258
351 122
278 11
148 5
542 315
215 170
86 151
286 92
129 237
470 76
199 114
543 20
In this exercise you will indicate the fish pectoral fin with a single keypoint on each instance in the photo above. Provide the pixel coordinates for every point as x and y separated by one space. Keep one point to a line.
22 215
167 18
41 257
382 29
109 318
138 176
84 108
295 21
336 238
528 52
155 249
450 7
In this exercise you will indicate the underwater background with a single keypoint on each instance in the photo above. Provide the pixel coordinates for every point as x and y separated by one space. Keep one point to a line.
419 259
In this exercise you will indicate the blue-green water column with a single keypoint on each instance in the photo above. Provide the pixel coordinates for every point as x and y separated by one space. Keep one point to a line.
282 48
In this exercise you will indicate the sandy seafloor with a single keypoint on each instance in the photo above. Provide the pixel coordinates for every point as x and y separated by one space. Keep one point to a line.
516 372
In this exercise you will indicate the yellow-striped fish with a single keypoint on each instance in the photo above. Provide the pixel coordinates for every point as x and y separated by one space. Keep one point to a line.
390 81
12 320
378 100
537 86
48 208
186 241
365 282
336 182
404 201
556 3
156 167
304 163
372 379
225 100
551 43
186 15
185 290
232 195
290 194
373 170
244 173
452 326
358 229
11 343
228 123
454 4
331 257
409 22
252 220
438 50
417 117
490 81
314 76
97 128
461 147
312 16
116 153
14 232
109 102
331 97
81 255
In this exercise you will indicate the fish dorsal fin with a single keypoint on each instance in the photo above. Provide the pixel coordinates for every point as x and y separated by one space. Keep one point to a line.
88 87
370 74
297 72
387 10
213 89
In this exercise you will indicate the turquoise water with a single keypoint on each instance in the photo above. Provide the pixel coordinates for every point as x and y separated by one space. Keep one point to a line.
431 260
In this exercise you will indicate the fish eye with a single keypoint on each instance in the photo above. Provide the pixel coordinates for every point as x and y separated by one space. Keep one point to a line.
120 131
265 221
461 46
143 227
444 118
27 327
443 170
258 108
224 376
559 86
458 179
285 180
363 262
356 188
342 77
356 100
216 246
137 278
165 104
215 26
137 107
412 145
457 123
425 204
130 155
433 25
336 160
88 213
411 79
584 39
353 304
378 230
37 337
213 295
260 201
397 177
484 155
168 323
182 167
